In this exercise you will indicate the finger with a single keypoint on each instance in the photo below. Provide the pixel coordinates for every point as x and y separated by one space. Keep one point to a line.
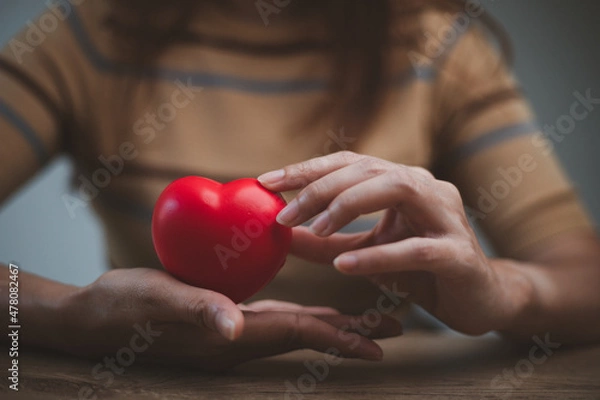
373 325
299 175
414 254
271 333
179 302
274 333
317 195
284 306
323 250
416 197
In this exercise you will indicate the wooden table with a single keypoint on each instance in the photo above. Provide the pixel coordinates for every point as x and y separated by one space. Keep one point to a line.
419 365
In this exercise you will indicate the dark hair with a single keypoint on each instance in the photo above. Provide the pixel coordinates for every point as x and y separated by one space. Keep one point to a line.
360 35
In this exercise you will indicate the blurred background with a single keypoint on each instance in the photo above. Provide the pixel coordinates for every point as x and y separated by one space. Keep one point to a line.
557 53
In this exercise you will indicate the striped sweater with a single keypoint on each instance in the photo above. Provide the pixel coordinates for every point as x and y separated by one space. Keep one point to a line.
206 109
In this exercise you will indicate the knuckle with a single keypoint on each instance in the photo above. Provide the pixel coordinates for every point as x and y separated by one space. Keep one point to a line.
378 260
296 174
147 294
139 289
469 253
463 220
403 182
293 333
372 166
424 172
342 205
426 252
114 278
195 309
348 156
451 190
310 193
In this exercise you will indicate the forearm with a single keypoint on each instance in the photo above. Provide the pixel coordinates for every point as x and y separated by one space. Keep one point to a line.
561 298
41 309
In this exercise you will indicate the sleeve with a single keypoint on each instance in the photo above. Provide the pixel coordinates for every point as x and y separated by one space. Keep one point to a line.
36 71
489 145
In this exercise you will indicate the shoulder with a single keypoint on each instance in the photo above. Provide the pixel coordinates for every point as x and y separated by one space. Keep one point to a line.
452 42
63 27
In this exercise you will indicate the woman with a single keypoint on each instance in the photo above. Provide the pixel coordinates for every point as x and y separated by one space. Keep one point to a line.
140 93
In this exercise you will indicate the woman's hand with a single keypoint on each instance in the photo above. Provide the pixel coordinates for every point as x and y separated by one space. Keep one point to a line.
423 244
197 327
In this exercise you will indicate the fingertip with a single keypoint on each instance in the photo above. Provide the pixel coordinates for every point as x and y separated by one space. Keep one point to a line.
389 327
368 349
229 325
345 263
376 358
321 311
225 326
321 226
269 179
223 316
374 352
289 215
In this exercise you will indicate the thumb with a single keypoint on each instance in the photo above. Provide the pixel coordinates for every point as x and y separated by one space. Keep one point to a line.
201 307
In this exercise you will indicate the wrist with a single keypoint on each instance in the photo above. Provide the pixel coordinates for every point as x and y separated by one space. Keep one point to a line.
50 323
520 286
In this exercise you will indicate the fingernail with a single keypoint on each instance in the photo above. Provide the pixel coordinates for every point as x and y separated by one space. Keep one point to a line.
372 352
321 224
272 177
225 326
345 262
374 355
289 214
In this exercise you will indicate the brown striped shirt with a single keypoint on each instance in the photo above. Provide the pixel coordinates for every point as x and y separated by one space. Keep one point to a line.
206 108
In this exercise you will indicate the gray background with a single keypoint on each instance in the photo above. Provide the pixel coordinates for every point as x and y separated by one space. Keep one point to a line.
556 54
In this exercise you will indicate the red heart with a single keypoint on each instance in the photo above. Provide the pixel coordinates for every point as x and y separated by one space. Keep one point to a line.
220 237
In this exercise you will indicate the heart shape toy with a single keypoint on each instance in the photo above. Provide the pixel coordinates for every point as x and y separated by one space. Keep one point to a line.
222 237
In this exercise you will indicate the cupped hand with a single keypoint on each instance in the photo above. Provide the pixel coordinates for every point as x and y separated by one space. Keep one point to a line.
173 322
423 243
